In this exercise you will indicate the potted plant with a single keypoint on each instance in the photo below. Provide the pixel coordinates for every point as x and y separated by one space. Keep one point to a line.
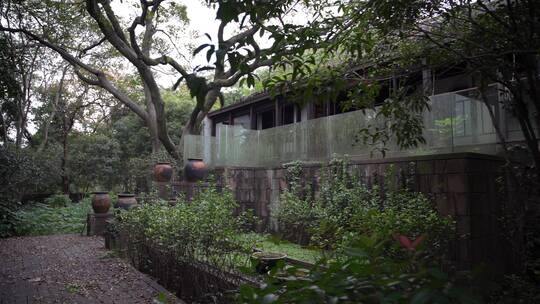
163 168
101 202
265 261
195 170
163 172
126 201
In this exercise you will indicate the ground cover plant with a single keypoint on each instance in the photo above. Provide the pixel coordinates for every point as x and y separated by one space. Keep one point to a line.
273 243
58 215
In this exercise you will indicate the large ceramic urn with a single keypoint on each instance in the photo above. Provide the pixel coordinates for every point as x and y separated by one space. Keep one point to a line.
126 201
163 172
195 170
101 202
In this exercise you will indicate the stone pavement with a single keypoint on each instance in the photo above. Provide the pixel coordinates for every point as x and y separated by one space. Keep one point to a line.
70 269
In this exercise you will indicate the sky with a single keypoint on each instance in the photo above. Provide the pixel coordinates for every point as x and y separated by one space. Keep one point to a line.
201 20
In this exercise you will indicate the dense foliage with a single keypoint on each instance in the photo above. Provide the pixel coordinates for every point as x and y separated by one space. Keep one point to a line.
366 275
57 216
194 248
346 208
23 171
106 154
204 229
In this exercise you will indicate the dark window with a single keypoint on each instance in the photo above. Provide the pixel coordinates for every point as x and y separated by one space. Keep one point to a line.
319 109
453 70
343 104
287 114
384 91
265 120
216 125
451 79
410 82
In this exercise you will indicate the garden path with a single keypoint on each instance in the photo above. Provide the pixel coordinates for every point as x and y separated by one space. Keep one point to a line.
70 269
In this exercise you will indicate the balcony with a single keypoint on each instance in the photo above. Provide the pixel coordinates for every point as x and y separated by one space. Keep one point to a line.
457 122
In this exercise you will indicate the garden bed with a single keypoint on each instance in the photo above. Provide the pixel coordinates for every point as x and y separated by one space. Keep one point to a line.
296 254
204 248
190 278
58 215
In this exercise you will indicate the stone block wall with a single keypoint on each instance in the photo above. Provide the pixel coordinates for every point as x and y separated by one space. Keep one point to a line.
462 185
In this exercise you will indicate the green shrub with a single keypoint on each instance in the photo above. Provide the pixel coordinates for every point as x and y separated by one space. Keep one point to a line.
404 213
345 208
58 200
24 171
342 196
205 229
41 219
364 275
516 289
114 198
295 217
8 217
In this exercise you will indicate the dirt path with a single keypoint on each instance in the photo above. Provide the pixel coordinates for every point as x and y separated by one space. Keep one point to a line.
70 269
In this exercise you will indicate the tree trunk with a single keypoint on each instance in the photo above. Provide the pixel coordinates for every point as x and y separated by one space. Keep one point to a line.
3 135
156 143
65 179
18 129
193 125
57 97
151 121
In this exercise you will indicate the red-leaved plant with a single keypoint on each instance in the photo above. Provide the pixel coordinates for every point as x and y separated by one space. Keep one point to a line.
407 243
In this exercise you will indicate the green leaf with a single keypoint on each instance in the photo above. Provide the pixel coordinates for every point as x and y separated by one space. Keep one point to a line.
200 48
421 297
209 53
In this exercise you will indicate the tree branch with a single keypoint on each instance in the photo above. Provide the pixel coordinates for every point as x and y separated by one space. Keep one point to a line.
230 81
93 45
113 20
239 37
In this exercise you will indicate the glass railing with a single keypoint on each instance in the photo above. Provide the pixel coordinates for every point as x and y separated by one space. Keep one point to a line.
457 122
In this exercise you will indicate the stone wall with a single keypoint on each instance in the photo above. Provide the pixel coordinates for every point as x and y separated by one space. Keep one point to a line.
462 185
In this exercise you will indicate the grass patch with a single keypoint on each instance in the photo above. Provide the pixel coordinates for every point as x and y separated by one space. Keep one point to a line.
41 219
73 288
270 243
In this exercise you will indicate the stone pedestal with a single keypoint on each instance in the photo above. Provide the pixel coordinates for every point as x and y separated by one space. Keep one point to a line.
163 189
96 223
190 189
